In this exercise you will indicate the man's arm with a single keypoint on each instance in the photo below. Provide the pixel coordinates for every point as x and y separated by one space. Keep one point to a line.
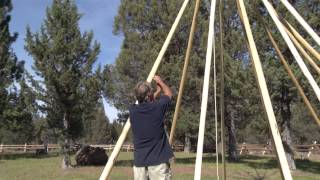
157 93
165 88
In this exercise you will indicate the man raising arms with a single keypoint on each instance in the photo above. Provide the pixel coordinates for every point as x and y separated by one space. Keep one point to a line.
152 150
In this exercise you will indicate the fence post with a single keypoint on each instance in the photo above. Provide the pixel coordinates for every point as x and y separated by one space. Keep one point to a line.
25 147
1 148
48 148
242 147
265 150
312 148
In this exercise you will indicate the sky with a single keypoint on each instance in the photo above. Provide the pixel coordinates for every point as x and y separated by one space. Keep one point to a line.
97 15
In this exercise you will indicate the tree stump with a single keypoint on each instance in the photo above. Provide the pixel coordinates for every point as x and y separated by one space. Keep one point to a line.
88 155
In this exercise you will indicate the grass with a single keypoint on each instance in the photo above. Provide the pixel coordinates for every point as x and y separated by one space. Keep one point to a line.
31 167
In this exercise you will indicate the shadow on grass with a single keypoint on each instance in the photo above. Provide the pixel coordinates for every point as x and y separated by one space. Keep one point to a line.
178 160
192 160
257 167
31 156
258 162
124 163
308 166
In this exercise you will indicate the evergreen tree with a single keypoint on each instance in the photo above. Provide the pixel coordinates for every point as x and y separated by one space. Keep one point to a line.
10 67
282 91
15 118
18 116
253 126
63 57
97 128
145 25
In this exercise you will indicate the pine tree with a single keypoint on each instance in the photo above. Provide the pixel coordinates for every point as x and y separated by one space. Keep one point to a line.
15 119
10 67
99 131
19 117
64 58
145 25
97 128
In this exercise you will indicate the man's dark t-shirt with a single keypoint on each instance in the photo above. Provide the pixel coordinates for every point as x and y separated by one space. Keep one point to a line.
151 146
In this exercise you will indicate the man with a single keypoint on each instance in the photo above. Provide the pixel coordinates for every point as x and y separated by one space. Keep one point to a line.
152 150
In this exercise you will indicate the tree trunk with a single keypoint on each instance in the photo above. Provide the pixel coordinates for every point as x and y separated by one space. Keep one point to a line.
187 143
286 128
287 144
66 161
230 124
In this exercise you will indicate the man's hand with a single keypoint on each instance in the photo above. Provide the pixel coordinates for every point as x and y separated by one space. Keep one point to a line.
166 90
157 79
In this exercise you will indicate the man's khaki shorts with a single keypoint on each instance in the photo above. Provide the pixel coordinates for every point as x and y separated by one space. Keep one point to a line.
158 172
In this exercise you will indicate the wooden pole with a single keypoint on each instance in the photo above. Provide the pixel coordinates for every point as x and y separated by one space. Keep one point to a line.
292 48
204 103
215 110
303 41
303 52
184 72
285 171
294 79
295 38
223 147
106 171
304 24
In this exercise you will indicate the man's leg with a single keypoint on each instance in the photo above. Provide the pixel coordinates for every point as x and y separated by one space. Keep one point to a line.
140 173
160 172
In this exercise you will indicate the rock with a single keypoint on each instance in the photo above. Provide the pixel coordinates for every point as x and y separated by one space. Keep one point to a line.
41 152
88 155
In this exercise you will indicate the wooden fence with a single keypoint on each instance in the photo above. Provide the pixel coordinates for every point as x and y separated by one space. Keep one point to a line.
302 151
23 148
129 147
27 147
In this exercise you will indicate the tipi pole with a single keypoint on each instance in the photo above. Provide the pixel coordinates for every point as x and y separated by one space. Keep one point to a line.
294 80
292 48
106 171
223 147
184 72
284 167
304 24
303 52
303 41
204 101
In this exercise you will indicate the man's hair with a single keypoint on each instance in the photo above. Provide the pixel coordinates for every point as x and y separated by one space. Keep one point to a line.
142 91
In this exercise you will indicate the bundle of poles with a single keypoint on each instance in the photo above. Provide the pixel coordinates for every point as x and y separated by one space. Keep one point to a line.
292 38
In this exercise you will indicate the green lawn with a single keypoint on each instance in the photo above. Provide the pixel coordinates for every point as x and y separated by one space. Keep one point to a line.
29 167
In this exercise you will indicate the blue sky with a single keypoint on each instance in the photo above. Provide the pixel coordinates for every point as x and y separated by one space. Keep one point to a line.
98 16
